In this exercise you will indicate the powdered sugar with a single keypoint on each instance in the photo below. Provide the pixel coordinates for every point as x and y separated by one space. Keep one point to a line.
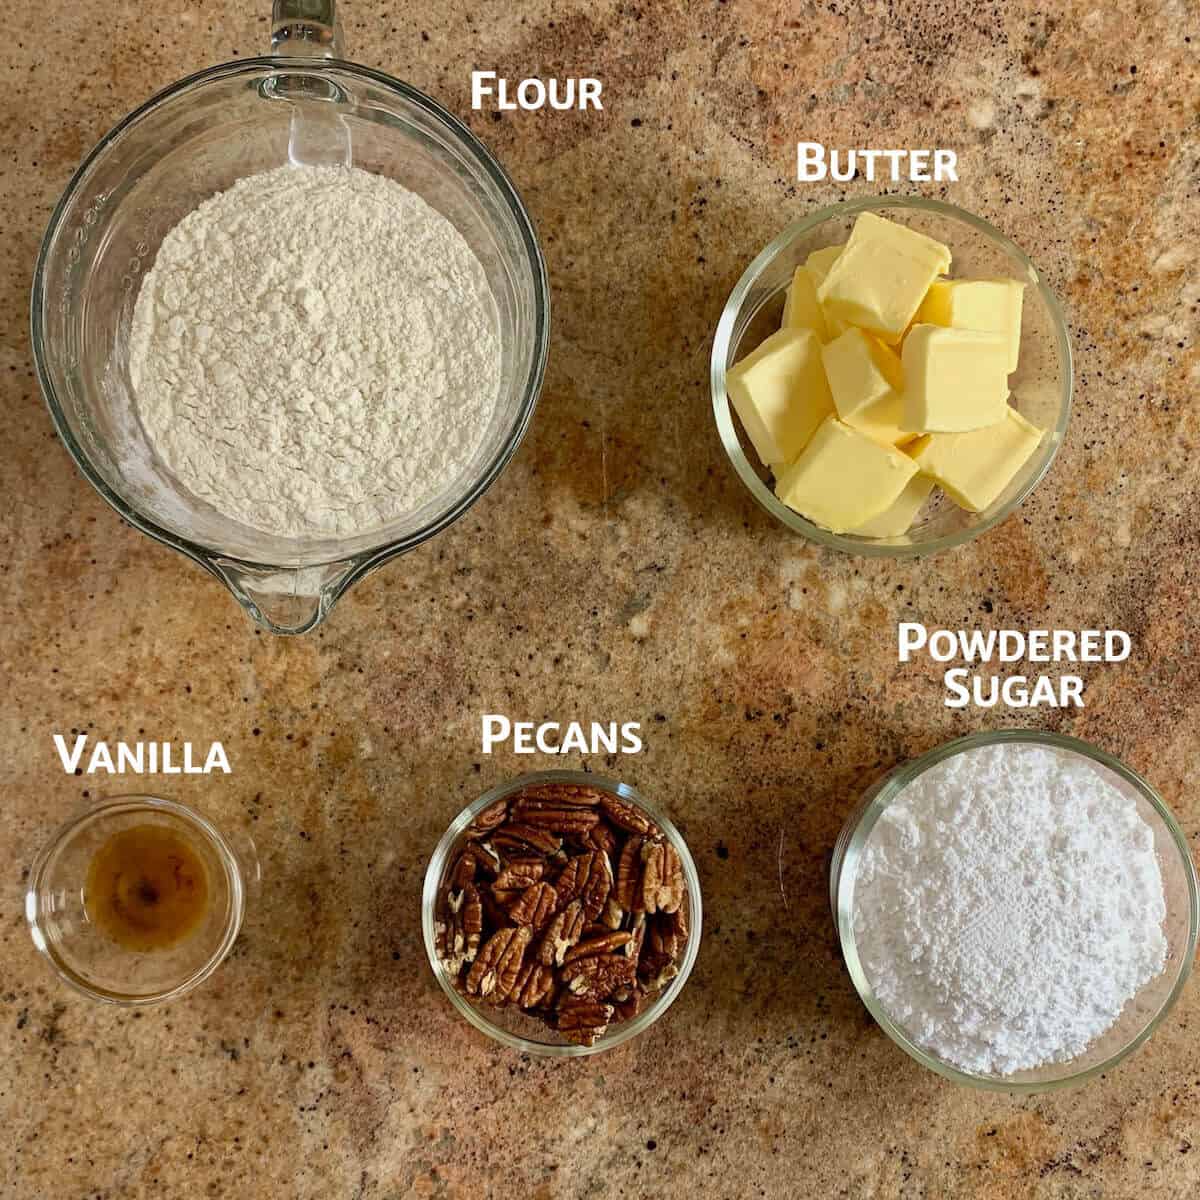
1008 905
315 351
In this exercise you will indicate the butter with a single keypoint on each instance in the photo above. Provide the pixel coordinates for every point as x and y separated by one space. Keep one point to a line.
801 309
861 371
880 278
899 518
974 468
883 421
780 393
992 305
817 264
844 478
954 379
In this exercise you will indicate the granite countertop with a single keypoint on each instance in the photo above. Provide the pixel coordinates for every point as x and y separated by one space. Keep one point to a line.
617 570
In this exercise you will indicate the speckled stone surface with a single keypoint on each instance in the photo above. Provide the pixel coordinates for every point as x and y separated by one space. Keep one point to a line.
617 570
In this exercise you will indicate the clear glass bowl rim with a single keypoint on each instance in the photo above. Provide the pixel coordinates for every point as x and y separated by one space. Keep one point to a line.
858 828
724 417
476 1016
366 560
134 803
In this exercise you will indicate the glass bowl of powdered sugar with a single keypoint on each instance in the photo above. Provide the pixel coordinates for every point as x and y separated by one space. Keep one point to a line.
1017 910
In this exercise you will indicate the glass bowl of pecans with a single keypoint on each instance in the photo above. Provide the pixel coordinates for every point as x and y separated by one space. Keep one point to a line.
561 913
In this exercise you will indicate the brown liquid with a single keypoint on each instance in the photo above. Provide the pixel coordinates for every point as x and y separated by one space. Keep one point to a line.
146 889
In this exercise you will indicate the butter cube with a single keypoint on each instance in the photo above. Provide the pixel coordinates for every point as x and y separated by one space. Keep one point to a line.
780 393
861 371
817 264
974 468
992 305
954 379
801 309
866 380
880 278
899 518
883 421
844 478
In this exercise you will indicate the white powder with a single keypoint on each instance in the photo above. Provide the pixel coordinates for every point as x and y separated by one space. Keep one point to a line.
315 351
1008 905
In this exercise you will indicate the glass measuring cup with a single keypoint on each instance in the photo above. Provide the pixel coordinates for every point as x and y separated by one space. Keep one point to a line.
303 104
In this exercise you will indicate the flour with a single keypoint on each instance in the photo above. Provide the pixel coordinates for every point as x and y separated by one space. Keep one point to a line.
315 351
1008 905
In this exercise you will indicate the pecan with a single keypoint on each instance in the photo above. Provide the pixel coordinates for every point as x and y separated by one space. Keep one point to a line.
665 938
463 871
598 975
518 836
662 886
497 966
488 819
535 986
564 793
604 943
495 911
601 837
534 906
588 877
460 928
583 1021
659 979
629 873
520 873
637 936
613 915
630 1006
559 818
631 819
476 858
567 902
563 933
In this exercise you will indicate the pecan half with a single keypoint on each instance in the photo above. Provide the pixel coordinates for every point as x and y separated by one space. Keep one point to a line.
613 915
535 986
564 931
625 816
564 793
628 1003
598 975
520 873
489 818
629 873
517 835
601 837
559 818
583 1021
498 964
463 871
605 943
460 928
588 877
662 886
534 906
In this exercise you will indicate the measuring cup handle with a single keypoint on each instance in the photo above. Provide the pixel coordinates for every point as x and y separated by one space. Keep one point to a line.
306 29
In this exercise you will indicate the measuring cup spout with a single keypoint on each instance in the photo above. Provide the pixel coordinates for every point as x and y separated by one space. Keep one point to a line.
282 599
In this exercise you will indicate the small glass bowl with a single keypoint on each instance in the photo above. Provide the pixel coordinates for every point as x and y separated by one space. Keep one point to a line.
1041 385
89 961
510 1026
1147 1009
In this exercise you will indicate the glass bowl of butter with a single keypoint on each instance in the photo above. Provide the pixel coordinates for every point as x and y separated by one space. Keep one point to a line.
891 376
